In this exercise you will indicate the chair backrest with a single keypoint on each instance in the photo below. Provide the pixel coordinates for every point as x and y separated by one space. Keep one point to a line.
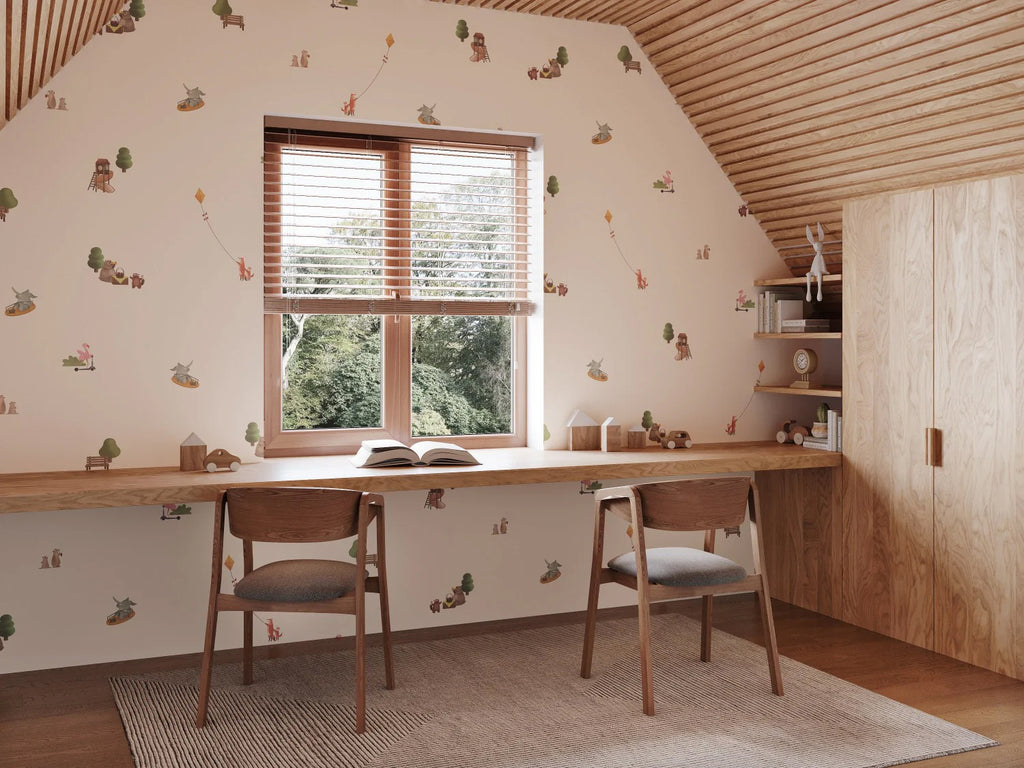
293 514
694 505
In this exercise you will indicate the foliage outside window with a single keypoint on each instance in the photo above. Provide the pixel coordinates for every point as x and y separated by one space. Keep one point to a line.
395 289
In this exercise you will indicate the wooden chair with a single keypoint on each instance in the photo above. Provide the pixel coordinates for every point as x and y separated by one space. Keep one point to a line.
295 515
674 572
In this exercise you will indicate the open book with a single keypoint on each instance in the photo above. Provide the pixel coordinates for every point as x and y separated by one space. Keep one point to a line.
392 453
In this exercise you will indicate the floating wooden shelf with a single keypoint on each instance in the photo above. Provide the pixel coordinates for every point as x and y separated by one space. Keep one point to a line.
816 335
800 280
822 391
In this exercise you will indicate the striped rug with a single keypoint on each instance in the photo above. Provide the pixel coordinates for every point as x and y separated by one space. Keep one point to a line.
515 700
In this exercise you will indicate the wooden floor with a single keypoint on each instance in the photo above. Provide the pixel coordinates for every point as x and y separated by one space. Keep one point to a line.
66 717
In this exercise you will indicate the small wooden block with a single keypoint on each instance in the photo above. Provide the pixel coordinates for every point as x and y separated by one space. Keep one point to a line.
636 438
611 437
192 457
585 438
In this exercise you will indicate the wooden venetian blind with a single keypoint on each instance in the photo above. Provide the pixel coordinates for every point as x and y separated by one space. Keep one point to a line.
369 224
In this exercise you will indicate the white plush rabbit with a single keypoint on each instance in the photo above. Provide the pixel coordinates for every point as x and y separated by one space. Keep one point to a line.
818 267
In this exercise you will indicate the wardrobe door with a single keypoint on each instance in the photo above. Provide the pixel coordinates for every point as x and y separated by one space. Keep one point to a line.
887 405
979 406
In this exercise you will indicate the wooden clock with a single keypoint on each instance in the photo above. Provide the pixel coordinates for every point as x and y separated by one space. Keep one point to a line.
805 362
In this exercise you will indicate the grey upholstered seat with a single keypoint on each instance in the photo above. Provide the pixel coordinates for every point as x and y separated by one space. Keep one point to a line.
682 567
298 581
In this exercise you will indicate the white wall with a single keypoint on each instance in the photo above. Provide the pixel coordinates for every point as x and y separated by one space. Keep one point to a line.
122 90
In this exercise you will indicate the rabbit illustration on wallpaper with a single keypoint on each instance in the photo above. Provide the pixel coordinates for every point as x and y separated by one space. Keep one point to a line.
818 267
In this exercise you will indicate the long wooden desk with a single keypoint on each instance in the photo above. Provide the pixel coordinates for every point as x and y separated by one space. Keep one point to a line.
40 491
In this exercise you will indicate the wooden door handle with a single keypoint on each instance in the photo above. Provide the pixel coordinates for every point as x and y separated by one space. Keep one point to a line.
933 447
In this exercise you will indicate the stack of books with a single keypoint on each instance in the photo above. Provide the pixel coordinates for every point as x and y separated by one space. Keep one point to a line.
834 440
805 325
777 305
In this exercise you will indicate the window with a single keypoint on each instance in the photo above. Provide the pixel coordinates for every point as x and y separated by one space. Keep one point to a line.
395 286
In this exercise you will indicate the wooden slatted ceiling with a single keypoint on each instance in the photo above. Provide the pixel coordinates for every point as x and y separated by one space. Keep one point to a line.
807 103
40 37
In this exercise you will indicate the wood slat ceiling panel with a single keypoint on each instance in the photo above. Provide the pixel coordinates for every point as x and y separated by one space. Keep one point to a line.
806 103
41 36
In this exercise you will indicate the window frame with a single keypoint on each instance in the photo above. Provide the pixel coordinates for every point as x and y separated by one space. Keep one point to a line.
396 354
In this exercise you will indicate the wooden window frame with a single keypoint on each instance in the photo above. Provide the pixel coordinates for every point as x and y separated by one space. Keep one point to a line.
396 375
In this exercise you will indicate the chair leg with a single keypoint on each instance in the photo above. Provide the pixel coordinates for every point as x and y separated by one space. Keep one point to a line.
385 632
768 622
705 628
646 668
247 647
590 628
360 666
206 670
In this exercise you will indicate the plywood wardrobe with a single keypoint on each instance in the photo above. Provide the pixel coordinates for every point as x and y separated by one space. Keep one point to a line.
933 337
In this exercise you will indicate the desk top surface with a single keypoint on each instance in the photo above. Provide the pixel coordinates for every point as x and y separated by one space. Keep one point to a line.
39 491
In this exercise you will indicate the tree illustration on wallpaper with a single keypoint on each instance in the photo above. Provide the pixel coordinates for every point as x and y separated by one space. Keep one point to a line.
461 30
7 202
6 628
124 159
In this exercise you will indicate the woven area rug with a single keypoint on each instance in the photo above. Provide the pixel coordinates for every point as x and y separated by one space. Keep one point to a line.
515 700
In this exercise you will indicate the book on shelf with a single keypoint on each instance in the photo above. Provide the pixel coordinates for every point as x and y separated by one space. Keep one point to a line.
818 443
394 453
805 325
770 299
787 310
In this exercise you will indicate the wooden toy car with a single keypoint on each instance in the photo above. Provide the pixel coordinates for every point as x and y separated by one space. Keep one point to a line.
677 438
792 432
221 459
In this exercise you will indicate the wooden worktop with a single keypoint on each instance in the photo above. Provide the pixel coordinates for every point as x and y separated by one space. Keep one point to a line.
499 466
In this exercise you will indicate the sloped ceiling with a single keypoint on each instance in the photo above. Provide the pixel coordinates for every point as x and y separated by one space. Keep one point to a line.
805 103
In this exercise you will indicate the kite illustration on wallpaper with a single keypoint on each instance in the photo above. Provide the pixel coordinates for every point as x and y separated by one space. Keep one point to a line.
125 610
641 281
273 632
426 115
349 107
180 375
193 99
666 183
82 360
6 628
23 303
603 135
730 428
244 272
7 201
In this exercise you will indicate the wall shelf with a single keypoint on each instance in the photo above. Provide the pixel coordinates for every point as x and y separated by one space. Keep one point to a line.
818 335
825 279
824 390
